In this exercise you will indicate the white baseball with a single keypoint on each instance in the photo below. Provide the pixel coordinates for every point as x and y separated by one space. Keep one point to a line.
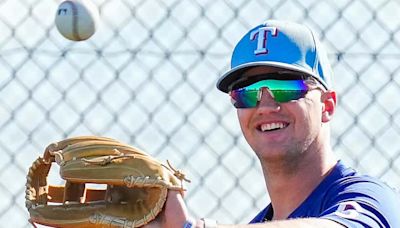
77 19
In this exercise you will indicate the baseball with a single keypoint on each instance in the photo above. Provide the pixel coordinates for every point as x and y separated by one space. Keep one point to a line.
77 20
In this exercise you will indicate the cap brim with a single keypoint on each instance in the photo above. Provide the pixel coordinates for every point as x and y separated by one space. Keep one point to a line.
227 80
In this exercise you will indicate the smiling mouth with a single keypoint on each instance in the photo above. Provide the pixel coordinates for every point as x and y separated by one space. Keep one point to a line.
272 126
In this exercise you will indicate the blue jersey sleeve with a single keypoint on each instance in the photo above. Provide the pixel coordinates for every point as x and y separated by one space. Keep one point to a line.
363 202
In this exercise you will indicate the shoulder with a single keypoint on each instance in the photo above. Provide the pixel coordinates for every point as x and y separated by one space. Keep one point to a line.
357 185
346 180
364 199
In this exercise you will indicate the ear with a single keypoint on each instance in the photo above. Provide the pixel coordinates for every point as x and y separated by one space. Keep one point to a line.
328 100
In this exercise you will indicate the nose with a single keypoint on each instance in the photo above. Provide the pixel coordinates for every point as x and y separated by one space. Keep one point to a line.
266 100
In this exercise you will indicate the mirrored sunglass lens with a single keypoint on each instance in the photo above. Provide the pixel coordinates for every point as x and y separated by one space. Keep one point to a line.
243 98
279 85
288 95
282 90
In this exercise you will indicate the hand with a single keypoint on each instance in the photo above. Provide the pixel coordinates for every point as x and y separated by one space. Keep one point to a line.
174 213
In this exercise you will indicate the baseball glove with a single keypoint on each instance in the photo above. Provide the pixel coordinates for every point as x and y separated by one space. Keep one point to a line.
136 185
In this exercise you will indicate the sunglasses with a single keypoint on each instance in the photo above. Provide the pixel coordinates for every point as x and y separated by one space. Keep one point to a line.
281 90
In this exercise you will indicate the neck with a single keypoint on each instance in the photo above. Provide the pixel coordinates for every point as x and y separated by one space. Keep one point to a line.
291 181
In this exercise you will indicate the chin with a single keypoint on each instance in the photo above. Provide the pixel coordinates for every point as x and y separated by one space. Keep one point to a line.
272 154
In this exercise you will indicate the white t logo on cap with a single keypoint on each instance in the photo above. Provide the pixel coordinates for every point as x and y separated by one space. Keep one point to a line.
262 38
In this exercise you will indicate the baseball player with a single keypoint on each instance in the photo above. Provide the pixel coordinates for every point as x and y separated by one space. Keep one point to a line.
280 82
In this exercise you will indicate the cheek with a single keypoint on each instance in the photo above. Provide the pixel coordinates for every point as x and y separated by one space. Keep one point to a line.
241 116
244 117
313 112
307 113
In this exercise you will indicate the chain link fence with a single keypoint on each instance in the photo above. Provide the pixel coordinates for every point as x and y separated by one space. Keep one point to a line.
147 77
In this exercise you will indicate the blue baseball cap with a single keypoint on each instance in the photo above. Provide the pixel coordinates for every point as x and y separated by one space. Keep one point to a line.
280 44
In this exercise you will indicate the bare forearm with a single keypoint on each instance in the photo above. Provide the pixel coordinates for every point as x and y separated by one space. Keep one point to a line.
175 214
298 223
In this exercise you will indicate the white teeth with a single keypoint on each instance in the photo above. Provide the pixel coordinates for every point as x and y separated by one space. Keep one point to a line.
271 126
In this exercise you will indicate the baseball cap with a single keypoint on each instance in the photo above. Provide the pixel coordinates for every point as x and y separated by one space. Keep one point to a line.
280 44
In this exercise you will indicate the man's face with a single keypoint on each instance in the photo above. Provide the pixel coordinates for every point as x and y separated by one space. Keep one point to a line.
282 130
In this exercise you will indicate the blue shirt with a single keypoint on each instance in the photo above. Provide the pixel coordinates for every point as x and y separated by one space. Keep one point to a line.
348 198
